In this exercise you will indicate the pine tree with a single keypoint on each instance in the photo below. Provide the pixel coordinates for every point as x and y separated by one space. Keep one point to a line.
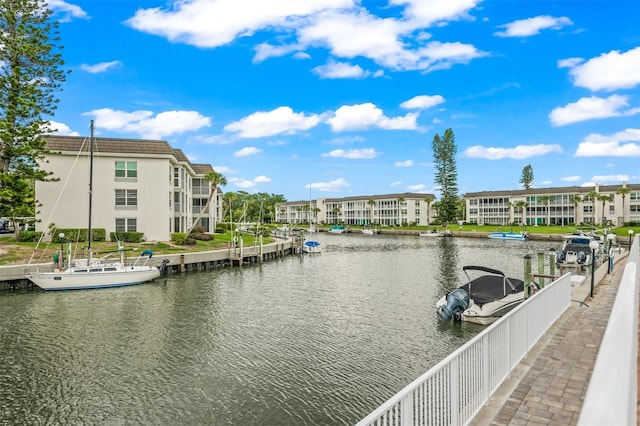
30 74
444 155
527 176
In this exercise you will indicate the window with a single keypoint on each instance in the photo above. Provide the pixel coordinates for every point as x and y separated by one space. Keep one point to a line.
126 197
126 225
126 169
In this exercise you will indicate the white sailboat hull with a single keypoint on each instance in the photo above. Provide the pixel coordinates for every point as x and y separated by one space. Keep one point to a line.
86 278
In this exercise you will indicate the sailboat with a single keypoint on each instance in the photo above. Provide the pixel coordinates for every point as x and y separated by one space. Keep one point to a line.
310 245
95 273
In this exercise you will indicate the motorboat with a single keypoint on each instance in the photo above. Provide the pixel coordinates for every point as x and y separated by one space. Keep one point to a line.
483 299
518 236
337 229
367 230
311 246
575 250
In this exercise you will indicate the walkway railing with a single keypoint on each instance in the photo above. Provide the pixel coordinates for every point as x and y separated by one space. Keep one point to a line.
453 391
613 389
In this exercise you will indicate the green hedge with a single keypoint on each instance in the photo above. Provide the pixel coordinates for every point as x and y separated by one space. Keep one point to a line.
30 236
127 237
79 235
180 238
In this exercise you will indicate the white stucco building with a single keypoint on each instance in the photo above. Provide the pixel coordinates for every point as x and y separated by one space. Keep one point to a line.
610 204
138 186
384 210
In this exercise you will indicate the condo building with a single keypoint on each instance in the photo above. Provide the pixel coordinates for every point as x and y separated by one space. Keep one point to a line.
138 186
384 210
611 205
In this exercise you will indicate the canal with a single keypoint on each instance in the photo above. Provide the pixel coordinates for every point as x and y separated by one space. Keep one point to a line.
318 339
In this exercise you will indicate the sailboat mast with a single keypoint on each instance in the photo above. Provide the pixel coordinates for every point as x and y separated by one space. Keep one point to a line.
90 188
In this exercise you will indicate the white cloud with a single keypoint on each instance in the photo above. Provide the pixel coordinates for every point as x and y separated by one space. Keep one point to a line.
344 27
609 71
569 62
331 186
591 108
406 163
352 154
206 23
62 129
249 183
570 178
335 70
422 102
532 26
610 178
245 152
223 169
98 68
517 153
625 143
363 116
396 183
67 9
281 120
144 124
419 188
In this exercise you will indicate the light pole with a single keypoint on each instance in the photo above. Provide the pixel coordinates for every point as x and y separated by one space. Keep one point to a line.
61 258
630 237
610 238
593 245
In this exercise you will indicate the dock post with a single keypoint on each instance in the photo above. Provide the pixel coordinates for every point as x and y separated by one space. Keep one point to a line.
541 267
182 267
552 262
527 272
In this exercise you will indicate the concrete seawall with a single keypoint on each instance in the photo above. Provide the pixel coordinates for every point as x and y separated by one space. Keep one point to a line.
13 276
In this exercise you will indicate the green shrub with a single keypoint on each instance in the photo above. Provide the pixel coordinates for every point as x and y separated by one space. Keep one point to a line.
78 235
127 237
201 236
30 236
180 238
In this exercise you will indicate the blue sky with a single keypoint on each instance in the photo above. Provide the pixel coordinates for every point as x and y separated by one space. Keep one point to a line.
338 98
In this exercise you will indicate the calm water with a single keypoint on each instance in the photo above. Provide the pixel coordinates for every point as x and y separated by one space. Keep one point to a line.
316 340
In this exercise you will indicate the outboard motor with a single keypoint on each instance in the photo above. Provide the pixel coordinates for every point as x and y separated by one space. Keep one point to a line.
457 302
559 257
581 257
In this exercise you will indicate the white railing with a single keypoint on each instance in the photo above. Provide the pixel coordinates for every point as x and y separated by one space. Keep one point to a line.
453 391
612 394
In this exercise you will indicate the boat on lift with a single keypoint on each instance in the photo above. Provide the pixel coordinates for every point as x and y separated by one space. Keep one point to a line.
483 299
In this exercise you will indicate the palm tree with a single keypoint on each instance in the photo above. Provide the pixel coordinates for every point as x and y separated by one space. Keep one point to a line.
604 198
576 200
623 191
511 205
544 199
522 205
400 201
429 199
336 211
371 203
215 179
592 196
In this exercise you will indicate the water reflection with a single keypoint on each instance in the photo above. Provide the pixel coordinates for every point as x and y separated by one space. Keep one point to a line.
314 340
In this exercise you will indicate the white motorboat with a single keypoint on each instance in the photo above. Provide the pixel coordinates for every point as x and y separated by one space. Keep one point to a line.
484 299
517 236
337 229
575 250
94 273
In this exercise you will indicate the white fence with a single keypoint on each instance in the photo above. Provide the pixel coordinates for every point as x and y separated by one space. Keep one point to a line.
454 390
612 394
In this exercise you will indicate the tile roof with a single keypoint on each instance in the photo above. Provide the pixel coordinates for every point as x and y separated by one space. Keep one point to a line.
57 143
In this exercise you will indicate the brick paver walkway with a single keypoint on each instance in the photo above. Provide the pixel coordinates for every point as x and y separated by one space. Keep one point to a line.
550 384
